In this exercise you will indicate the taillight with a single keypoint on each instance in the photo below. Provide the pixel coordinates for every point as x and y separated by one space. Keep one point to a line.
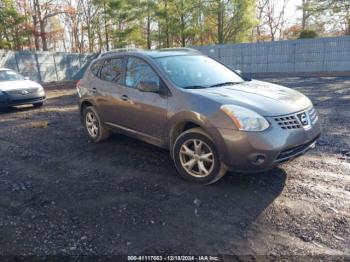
78 84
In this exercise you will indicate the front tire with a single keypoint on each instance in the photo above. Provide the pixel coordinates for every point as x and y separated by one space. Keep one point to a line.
196 157
93 125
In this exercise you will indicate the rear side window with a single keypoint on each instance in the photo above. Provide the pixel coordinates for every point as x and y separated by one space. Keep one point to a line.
112 70
95 68
138 70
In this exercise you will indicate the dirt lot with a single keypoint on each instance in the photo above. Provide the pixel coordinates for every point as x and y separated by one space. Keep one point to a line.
61 194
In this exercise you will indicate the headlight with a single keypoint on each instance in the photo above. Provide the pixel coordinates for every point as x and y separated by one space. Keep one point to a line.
245 119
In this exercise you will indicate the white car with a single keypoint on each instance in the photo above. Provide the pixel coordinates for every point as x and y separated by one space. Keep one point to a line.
17 90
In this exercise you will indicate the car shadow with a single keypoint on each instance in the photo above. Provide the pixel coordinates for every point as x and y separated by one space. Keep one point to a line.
141 197
13 109
123 197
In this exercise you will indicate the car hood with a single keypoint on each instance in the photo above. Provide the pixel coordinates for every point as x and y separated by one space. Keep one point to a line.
18 84
265 98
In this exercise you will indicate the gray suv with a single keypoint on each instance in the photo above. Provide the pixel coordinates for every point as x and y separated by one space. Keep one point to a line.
211 118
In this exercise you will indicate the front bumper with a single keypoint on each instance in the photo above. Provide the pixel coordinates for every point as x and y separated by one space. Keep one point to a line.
7 100
259 151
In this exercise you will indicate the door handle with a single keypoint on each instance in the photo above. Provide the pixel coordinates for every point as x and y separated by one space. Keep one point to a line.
125 98
94 89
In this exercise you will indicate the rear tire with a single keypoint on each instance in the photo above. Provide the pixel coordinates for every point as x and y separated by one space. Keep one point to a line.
93 125
196 157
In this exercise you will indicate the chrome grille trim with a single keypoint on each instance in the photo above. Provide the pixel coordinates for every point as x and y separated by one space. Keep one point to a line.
288 122
30 90
313 116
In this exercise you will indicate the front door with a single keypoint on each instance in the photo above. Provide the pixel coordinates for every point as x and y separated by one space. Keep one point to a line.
146 111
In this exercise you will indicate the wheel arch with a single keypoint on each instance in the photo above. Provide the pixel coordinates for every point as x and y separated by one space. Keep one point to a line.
84 104
181 126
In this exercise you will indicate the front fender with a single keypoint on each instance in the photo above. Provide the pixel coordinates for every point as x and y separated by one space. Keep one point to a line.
182 118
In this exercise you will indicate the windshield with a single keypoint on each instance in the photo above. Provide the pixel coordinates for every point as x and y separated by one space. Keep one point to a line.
9 75
197 71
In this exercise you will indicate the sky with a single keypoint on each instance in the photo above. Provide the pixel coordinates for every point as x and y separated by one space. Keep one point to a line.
292 13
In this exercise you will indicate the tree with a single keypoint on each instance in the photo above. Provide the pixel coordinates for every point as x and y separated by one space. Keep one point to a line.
312 16
42 11
13 32
147 13
333 14
308 9
122 14
164 22
90 17
233 20
261 7
272 18
183 12
308 34
340 11
293 32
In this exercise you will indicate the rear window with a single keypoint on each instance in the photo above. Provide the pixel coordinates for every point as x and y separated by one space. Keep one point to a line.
112 70
95 68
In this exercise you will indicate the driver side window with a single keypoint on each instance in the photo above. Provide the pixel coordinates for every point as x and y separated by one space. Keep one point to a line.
137 71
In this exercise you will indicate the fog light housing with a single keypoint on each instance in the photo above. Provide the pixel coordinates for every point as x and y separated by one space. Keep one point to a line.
257 159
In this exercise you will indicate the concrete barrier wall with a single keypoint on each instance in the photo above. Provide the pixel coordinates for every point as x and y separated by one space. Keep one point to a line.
303 57
299 56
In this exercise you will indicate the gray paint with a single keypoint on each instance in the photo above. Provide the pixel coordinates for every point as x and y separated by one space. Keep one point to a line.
161 117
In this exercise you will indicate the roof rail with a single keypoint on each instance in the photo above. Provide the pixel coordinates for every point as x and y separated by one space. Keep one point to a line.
184 49
119 50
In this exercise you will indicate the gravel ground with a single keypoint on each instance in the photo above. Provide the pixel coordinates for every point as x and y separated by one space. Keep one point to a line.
61 194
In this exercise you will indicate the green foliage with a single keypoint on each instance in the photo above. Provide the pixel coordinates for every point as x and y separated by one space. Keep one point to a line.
244 21
308 34
13 33
230 21
331 14
167 23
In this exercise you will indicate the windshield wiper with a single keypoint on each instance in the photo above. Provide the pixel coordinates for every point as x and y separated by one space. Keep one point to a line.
195 87
225 84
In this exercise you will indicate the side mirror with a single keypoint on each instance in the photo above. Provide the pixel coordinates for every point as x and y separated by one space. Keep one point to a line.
26 78
238 71
148 86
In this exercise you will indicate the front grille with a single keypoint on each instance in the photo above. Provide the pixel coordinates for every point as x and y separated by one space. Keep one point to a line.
304 119
288 122
26 101
26 91
285 155
313 116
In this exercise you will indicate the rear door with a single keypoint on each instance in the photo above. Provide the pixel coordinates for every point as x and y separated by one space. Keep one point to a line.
109 90
146 111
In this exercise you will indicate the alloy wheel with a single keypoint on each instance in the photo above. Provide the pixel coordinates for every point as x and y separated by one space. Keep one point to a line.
91 124
197 158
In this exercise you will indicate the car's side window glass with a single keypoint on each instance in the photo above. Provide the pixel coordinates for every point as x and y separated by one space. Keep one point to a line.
138 70
95 68
112 70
